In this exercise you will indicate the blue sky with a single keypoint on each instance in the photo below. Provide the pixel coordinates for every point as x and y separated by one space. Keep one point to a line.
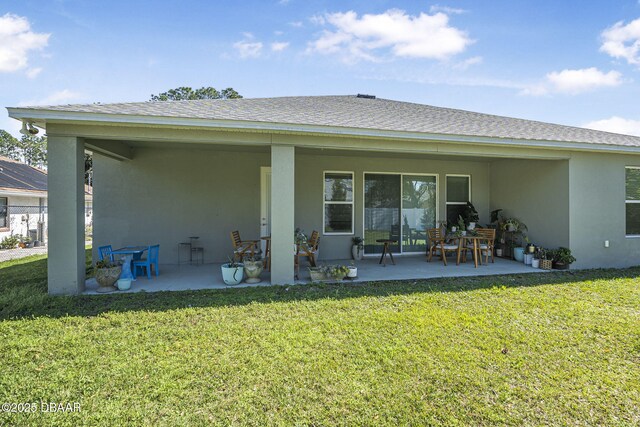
568 62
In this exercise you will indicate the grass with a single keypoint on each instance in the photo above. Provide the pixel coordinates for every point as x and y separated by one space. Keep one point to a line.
536 349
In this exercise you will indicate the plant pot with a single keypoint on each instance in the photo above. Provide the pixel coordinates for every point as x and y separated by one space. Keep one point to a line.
546 264
353 272
528 258
106 277
535 263
317 275
472 226
357 252
510 227
454 229
253 269
232 275
560 266
124 284
499 252
531 248
518 254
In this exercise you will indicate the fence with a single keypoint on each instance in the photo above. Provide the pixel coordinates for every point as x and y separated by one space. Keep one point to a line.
24 230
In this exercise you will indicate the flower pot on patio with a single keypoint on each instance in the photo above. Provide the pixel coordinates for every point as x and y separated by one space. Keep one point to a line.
106 277
232 273
535 263
518 254
353 272
317 274
253 269
124 284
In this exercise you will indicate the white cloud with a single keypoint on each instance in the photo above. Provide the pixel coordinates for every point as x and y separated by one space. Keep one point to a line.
296 24
32 73
617 125
279 46
248 49
468 62
59 97
623 41
446 9
16 41
574 82
283 2
360 38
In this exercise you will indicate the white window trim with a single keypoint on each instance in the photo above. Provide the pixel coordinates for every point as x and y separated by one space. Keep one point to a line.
325 202
632 236
401 174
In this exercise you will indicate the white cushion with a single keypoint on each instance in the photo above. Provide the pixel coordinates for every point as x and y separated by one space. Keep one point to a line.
450 247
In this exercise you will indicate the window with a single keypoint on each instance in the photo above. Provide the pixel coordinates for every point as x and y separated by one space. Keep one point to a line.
458 194
632 202
338 203
4 220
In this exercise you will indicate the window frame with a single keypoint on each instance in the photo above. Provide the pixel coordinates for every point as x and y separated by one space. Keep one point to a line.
446 184
334 202
7 220
626 202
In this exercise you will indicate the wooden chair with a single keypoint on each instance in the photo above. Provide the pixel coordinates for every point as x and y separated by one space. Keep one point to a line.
241 248
485 245
309 250
437 243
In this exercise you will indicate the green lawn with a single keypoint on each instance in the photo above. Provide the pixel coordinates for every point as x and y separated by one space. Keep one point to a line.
538 349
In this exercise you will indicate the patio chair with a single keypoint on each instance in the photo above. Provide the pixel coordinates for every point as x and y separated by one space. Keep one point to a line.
309 250
437 242
151 260
105 253
485 245
241 248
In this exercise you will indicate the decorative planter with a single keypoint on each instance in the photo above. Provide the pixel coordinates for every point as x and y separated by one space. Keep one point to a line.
124 284
530 248
232 275
253 269
518 254
546 264
357 252
560 266
106 277
535 263
472 226
499 252
317 275
353 272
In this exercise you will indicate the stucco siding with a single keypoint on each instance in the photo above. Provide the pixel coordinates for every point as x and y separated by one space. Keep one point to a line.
597 203
537 193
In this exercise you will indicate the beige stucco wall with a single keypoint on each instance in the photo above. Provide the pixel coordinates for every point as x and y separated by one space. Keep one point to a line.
165 195
597 205
537 193
309 187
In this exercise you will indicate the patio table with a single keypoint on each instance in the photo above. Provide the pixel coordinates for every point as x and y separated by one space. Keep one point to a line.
130 253
462 240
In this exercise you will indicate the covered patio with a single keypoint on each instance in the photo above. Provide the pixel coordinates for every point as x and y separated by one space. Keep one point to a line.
185 277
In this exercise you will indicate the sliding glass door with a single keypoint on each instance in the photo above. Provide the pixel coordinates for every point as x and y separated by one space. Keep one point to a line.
399 207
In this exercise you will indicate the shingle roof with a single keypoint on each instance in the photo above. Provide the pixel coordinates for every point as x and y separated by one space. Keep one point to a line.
361 113
19 176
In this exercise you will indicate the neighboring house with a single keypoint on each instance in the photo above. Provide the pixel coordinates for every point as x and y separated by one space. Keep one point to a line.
344 165
23 200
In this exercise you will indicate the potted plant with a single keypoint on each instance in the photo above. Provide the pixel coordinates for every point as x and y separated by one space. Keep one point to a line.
353 271
232 272
470 216
546 259
562 258
357 249
462 228
107 273
253 266
338 272
318 273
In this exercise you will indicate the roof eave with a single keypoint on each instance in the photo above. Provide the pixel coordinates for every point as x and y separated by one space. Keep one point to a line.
42 116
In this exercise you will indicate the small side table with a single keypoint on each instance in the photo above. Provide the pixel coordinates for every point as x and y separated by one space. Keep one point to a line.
386 250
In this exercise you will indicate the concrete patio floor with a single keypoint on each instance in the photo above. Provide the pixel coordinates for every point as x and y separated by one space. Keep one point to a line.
208 276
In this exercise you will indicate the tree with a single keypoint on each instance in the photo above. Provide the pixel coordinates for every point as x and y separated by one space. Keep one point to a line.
29 149
187 93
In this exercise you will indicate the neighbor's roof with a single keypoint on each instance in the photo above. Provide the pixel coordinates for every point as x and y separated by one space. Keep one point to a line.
351 112
20 176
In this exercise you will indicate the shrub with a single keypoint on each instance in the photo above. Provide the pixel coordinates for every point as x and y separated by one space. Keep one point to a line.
9 242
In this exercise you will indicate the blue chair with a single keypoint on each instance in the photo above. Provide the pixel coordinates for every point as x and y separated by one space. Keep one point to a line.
152 259
106 252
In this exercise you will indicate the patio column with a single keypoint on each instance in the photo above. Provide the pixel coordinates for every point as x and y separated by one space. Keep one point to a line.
66 265
282 213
